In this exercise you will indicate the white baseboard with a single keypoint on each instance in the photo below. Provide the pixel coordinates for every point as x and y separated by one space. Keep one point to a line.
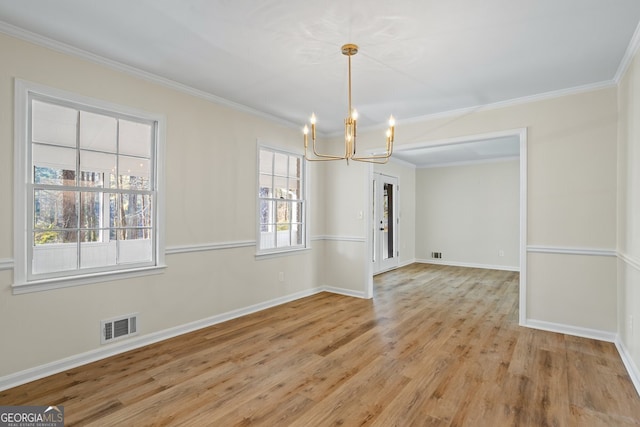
32 374
632 369
468 264
347 292
571 330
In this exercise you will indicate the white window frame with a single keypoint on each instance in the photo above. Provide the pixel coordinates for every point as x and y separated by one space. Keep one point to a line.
304 177
24 281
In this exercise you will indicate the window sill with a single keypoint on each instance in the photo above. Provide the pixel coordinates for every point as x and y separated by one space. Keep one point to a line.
66 282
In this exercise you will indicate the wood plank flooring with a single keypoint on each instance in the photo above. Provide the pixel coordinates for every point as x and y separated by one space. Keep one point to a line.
437 346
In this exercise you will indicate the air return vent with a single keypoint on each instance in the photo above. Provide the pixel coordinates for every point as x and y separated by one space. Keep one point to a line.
118 328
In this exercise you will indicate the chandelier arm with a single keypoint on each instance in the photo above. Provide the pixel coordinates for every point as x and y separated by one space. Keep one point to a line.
375 158
367 158
319 157
381 161
311 159
325 156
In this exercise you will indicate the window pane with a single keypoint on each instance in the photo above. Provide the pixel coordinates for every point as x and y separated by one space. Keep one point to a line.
98 132
91 179
280 184
296 212
55 209
266 162
46 237
113 214
93 236
135 138
133 210
280 165
53 124
54 251
53 165
294 189
135 250
266 213
283 213
266 181
96 168
90 211
96 253
267 237
294 166
134 173
132 233
283 233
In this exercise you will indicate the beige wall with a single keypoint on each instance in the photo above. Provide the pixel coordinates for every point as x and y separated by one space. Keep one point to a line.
469 213
210 198
629 214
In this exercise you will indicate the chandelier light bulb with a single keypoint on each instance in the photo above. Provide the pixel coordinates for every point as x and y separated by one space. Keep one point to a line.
305 130
313 119
392 121
354 114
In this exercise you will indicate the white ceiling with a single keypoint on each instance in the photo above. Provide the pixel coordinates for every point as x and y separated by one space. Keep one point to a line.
282 57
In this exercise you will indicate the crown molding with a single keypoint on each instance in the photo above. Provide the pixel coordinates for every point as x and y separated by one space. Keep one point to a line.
510 102
28 36
631 51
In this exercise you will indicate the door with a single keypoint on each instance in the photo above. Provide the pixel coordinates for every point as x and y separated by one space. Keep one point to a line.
385 231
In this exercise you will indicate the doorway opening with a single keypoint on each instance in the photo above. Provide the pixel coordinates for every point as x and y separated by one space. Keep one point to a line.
520 136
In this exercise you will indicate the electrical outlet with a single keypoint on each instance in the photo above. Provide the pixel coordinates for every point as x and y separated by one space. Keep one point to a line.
501 252
631 323
281 276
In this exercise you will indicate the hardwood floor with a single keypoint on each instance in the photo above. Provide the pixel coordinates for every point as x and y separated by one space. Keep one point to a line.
437 346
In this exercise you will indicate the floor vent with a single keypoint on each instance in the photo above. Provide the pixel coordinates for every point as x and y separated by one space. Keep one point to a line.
118 328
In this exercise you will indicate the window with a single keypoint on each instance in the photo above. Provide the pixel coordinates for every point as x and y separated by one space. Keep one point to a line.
87 195
281 201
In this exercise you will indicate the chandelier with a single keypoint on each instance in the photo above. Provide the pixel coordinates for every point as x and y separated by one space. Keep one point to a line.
350 132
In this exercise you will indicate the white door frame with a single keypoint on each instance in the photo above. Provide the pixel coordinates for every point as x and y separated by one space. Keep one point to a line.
521 133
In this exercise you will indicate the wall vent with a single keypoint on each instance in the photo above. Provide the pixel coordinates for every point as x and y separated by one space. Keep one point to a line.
118 328
436 255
